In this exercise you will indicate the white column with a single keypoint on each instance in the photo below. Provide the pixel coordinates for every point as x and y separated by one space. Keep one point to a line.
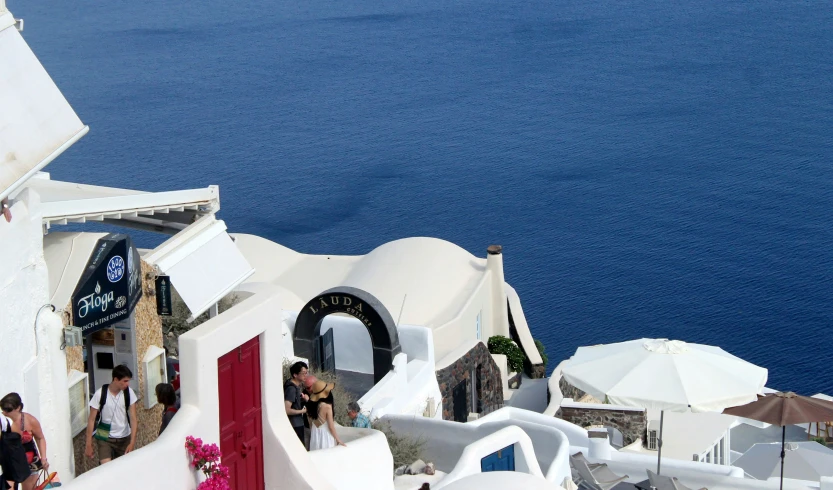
500 313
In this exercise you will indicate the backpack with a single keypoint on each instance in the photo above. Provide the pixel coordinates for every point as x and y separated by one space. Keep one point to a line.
13 462
103 400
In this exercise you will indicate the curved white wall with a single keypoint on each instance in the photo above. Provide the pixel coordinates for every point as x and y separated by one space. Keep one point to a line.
366 463
446 440
470 460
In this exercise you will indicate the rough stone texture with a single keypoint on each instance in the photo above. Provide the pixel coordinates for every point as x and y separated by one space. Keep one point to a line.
515 381
148 332
75 355
537 371
570 391
631 423
490 381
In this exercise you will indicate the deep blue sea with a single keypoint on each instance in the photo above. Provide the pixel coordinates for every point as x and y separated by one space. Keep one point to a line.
651 167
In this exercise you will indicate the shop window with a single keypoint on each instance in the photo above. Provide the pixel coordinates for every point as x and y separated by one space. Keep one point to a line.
79 397
155 372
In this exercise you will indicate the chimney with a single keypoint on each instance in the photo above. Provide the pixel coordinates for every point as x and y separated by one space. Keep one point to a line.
500 318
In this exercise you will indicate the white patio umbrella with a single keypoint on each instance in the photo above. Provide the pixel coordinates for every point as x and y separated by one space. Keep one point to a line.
804 461
664 374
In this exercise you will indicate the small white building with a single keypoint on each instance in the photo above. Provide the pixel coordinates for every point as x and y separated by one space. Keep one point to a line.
438 302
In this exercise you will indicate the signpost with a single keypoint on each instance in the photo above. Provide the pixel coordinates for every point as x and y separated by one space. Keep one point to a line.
110 286
163 296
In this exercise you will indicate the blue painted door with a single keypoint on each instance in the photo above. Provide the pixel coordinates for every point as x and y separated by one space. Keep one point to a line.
503 460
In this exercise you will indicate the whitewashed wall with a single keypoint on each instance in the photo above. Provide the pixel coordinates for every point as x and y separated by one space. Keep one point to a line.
412 383
446 441
39 377
365 463
463 327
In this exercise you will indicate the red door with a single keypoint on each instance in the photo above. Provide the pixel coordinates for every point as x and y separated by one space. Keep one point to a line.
241 433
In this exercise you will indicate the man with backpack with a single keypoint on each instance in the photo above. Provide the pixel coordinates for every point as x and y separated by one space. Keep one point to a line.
113 420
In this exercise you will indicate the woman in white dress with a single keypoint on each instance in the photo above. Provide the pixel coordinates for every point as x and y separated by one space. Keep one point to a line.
320 413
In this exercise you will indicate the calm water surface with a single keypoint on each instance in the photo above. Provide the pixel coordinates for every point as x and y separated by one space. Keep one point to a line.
652 168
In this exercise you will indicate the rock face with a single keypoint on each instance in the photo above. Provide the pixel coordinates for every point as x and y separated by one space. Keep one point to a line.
489 394
633 423
537 371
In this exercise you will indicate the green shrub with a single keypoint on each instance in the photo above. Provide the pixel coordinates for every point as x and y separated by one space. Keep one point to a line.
541 349
498 344
821 440
405 448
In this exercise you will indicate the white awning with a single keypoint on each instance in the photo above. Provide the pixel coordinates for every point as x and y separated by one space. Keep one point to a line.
36 122
171 212
203 262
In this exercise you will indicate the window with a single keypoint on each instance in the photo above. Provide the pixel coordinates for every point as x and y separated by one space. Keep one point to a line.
652 440
478 323
79 397
154 365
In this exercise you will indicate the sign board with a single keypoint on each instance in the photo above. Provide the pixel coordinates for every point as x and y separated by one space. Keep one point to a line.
110 286
163 296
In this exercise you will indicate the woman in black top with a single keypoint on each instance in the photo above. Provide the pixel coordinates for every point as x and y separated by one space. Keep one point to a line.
166 396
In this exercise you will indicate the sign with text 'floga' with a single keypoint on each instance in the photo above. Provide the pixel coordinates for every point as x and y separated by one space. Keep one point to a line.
110 285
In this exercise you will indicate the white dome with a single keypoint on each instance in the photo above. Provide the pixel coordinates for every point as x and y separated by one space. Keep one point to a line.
433 273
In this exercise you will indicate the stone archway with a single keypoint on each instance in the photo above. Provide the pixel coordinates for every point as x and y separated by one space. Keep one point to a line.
360 305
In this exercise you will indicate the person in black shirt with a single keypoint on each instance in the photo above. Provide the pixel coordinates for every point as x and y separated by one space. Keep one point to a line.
166 396
294 397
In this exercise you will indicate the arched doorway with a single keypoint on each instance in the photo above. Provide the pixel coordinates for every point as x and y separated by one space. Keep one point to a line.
360 305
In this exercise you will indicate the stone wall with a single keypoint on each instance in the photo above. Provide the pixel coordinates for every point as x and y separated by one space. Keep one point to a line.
148 332
570 391
462 369
633 424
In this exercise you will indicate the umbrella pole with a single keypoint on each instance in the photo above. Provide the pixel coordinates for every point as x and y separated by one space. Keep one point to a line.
783 437
659 442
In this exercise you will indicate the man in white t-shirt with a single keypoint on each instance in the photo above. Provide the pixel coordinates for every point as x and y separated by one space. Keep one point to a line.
115 429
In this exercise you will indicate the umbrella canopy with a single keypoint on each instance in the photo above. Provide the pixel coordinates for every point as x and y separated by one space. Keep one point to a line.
784 409
804 461
664 374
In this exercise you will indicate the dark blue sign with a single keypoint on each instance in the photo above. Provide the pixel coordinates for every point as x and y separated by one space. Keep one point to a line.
110 286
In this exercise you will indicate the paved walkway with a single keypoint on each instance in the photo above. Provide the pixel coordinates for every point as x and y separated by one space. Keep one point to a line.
532 395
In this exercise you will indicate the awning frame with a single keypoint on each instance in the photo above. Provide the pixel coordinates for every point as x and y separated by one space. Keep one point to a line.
182 245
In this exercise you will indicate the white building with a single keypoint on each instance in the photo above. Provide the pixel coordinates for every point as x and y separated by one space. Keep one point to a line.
444 304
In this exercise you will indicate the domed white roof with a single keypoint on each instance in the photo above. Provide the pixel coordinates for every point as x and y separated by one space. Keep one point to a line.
437 276
433 273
